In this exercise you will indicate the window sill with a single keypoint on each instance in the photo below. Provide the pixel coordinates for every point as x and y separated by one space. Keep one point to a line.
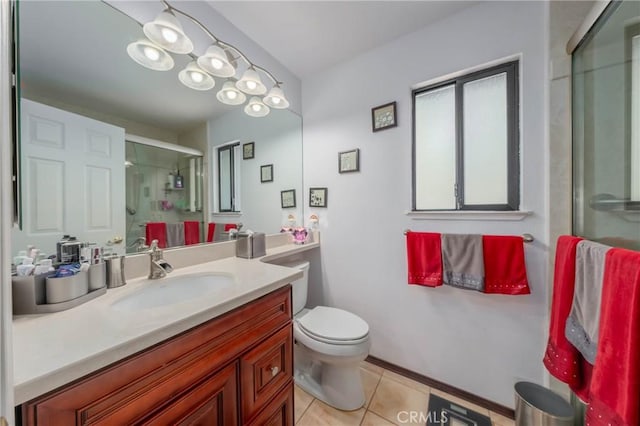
470 215
226 214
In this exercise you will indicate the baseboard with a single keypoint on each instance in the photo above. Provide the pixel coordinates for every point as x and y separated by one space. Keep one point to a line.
489 405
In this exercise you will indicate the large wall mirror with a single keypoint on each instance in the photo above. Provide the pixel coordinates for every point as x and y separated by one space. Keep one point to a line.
136 131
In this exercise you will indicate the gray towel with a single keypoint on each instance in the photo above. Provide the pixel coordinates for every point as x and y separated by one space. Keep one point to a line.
463 261
175 234
581 328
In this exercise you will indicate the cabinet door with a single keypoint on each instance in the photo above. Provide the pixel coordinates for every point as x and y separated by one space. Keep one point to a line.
279 412
264 370
212 402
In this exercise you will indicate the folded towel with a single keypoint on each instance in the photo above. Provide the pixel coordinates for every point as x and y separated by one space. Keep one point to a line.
191 232
175 234
582 324
561 358
615 385
156 231
424 259
211 229
505 271
462 261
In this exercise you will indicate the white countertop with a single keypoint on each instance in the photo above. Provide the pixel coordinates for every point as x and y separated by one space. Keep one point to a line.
51 350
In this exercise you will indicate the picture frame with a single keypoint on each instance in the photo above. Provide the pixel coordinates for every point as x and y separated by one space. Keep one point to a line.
266 173
288 198
384 117
349 161
317 197
248 150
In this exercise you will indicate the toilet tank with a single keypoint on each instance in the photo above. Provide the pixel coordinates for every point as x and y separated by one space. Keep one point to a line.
300 286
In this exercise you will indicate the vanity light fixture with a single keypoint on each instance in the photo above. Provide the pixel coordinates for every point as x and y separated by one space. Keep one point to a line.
255 108
196 78
220 60
149 55
166 32
230 95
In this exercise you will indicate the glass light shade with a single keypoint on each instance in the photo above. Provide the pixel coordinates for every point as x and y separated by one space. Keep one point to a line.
255 108
251 84
215 62
166 32
149 55
196 78
276 98
230 95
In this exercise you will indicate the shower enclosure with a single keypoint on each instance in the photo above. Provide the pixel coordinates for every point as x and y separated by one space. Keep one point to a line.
606 128
163 184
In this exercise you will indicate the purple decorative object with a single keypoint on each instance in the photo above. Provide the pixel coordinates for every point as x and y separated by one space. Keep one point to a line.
300 235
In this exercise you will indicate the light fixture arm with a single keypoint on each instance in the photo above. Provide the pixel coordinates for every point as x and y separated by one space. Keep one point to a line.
222 43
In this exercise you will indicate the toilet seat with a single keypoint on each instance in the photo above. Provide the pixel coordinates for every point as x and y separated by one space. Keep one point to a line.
333 326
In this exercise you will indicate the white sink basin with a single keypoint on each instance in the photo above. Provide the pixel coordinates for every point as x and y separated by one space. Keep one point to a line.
171 290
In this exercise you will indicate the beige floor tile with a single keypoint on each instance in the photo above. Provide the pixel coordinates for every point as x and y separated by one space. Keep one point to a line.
406 381
320 414
392 397
372 419
461 402
302 400
369 383
500 420
371 367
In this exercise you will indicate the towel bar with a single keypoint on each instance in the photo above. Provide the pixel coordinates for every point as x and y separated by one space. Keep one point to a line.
527 238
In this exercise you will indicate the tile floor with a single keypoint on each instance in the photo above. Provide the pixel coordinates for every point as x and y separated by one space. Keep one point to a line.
387 395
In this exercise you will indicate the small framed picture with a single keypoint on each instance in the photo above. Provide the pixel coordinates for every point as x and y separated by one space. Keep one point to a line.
317 197
349 161
248 150
266 173
288 198
384 116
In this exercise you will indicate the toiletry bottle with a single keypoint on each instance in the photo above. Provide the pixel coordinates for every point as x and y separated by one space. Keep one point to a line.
178 181
26 268
22 254
170 181
44 267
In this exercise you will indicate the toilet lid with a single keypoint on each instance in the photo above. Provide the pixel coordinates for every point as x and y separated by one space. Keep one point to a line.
333 324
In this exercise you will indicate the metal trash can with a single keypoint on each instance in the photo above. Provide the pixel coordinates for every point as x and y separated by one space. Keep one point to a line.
539 406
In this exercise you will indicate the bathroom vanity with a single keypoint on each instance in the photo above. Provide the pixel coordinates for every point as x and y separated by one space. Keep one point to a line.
222 358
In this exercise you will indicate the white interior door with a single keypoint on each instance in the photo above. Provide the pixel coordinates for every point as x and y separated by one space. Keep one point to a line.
74 178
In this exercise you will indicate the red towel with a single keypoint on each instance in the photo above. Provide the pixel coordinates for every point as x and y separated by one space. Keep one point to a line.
561 358
504 267
615 384
424 258
210 230
191 232
228 226
157 231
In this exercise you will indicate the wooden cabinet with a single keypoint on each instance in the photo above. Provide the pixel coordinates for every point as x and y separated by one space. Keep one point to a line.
234 369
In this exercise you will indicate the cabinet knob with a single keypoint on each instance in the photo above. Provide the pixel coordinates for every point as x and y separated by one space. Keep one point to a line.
274 371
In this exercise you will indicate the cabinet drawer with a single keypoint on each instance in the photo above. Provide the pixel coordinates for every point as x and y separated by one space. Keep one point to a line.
265 369
279 412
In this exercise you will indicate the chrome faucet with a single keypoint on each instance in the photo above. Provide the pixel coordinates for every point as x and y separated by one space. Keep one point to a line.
139 244
159 267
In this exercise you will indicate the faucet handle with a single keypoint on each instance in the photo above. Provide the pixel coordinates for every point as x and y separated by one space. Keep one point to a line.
153 246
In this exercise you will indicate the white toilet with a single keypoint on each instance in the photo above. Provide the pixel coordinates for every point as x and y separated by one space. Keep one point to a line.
329 345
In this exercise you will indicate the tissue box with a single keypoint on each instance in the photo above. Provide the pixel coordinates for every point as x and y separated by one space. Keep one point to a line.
250 245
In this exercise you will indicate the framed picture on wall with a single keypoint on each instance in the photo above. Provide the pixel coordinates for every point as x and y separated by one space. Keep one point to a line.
248 150
349 161
384 116
266 173
288 198
317 197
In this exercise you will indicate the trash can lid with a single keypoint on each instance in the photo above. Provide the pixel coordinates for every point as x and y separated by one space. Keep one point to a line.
544 399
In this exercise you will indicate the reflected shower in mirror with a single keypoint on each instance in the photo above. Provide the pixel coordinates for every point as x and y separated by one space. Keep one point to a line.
72 60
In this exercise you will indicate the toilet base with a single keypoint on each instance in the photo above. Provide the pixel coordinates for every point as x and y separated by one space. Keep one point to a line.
339 386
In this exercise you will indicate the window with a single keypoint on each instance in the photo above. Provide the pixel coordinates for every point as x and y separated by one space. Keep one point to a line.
465 142
229 157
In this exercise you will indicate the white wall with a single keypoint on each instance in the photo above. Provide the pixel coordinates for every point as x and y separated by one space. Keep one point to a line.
480 343
278 141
